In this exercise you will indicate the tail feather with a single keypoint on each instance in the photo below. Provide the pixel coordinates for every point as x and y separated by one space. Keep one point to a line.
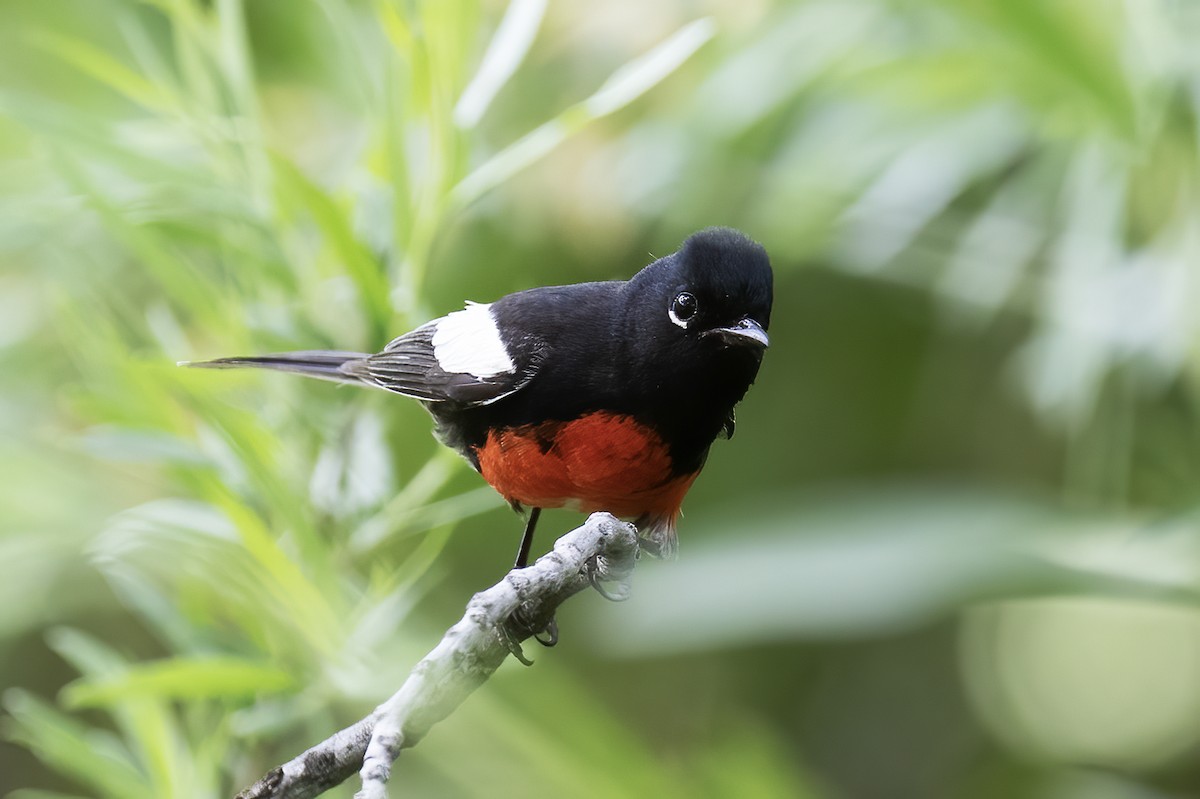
321 364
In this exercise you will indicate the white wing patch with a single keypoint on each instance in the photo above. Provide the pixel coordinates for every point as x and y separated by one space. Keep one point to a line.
469 342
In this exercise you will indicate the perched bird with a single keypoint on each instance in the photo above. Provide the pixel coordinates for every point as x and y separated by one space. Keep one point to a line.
597 396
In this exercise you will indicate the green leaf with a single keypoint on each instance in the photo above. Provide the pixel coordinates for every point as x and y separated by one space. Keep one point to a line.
505 53
397 522
364 269
623 87
1058 39
89 655
645 72
89 757
106 69
286 581
217 677
146 724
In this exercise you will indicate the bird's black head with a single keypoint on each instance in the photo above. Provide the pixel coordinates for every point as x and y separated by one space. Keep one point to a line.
725 289
693 335
714 293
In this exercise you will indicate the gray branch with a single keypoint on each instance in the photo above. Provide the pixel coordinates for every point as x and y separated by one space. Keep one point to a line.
495 623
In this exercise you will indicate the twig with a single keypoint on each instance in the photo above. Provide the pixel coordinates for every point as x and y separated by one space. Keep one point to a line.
495 623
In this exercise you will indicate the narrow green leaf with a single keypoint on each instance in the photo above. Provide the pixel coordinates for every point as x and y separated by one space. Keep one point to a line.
287 582
397 29
527 150
67 746
146 722
504 54
146 725
105 69
176 274
407 521
643 73
87 654
121 444
364 269
145 51
181 678
1059 47
623 87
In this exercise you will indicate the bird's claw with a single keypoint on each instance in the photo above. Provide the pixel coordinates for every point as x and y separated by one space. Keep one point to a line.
592 568
551 633
518 626
512 643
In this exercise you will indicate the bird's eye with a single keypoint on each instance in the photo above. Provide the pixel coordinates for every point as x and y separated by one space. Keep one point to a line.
683 308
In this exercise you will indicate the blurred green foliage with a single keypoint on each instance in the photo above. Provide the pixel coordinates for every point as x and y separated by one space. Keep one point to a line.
952 551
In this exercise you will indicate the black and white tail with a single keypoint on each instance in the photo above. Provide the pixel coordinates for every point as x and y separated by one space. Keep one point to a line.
321 364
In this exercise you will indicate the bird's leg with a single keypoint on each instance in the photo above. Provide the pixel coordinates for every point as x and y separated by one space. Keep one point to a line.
551 631
527 539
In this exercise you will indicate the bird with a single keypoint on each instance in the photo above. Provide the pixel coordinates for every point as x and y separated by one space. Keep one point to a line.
602 396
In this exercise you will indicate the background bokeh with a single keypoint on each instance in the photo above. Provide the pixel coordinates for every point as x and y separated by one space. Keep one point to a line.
952 551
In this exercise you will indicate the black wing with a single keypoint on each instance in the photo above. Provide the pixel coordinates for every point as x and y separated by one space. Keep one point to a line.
409 366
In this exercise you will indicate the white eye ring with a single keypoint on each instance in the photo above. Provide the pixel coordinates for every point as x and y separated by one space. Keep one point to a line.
683 309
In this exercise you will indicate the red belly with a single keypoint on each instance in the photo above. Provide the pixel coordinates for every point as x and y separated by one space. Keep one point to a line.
602 461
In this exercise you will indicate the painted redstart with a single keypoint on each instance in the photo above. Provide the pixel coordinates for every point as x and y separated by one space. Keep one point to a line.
597 396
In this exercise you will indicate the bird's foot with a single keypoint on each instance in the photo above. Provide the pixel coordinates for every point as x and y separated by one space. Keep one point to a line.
551 633
591 567
518 627
512 642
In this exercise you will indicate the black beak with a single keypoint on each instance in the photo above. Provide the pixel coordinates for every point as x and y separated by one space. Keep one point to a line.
746 333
